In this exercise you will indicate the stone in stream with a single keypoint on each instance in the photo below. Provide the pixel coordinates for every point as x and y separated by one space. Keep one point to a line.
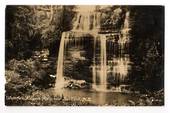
132 103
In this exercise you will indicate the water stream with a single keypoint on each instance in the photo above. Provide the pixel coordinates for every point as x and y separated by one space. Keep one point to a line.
111 60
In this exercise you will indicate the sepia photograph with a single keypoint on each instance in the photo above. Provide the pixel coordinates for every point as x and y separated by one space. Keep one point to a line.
84 55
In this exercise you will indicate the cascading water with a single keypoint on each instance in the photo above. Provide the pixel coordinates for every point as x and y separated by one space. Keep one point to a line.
60 62
103 70
94 65
125 30
88 22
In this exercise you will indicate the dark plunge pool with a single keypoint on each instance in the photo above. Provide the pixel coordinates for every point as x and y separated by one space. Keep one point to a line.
95 97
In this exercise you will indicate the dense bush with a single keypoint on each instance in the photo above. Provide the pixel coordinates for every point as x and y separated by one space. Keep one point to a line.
148 57
24 76
31 28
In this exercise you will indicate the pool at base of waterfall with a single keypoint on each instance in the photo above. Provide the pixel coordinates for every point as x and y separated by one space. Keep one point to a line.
96 97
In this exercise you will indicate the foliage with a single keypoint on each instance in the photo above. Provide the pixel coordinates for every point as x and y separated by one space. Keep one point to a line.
31 28
148 57
25 76
112 18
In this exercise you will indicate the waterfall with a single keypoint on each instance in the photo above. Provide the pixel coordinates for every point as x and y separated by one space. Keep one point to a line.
120 70
87 21
125 30
100 70
103 67
60 63
94 65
